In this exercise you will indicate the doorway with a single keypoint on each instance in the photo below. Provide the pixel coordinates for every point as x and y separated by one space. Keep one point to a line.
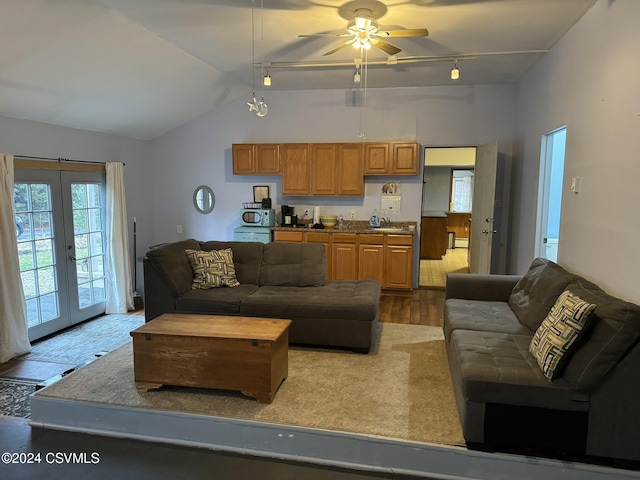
550 193
60 221
447 195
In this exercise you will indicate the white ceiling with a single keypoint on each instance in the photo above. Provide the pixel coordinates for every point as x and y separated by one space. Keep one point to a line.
140 68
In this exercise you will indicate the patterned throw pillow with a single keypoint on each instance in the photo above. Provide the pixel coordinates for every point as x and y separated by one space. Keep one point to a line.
212 269
551 344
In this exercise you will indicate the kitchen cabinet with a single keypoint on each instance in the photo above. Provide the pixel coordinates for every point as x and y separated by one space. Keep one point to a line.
398 262
376 158
323 169
371 257
256 159
350 176
295 163
391 158
344 256
433 237
386 258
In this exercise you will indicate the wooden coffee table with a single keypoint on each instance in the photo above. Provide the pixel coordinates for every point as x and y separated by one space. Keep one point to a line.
211 351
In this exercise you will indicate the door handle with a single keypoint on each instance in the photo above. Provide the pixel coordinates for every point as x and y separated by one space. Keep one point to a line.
72 258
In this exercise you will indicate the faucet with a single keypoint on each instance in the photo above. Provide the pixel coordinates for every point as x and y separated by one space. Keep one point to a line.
385 221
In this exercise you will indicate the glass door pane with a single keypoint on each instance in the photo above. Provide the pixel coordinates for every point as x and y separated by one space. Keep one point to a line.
84 192
41 256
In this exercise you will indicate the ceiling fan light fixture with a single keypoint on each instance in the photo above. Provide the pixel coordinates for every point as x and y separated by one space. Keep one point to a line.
455 71
363 19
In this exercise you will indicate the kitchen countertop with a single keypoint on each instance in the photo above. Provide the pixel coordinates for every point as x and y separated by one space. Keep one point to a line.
356 226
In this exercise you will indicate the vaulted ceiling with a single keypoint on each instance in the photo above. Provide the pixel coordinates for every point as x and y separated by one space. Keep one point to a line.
140 68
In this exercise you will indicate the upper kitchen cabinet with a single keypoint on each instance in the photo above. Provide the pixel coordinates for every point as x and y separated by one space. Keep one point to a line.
295 165
391 158
256 159
350 176
336 169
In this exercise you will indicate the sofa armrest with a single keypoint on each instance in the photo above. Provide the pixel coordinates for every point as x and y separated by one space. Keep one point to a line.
467 286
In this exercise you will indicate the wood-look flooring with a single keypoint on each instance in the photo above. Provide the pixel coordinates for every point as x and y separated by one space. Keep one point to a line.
418 307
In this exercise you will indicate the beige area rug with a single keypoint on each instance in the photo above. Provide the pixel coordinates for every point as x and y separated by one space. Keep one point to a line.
402 389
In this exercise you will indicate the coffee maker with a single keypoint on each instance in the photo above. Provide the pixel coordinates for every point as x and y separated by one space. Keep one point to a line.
288 218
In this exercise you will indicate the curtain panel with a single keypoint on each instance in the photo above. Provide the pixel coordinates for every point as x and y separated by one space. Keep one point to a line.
119 289
14 338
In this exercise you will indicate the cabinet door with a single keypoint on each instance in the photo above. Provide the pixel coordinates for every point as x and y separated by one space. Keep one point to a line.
243 159
433 238
376 159
288 236
398 272
267 159
405 158
344 261
296 169
371 263
350 177
323 168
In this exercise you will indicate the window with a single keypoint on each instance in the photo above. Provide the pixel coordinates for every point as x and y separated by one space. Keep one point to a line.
461 190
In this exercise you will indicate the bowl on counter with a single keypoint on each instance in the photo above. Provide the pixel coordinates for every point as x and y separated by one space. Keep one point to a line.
329 221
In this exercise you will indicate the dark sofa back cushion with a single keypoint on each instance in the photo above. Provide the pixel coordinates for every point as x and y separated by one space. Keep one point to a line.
537 291
293 264
172 264
247 257
615 328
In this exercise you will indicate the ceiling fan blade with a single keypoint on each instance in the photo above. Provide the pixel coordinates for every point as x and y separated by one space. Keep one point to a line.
326 35
385 46
409 32
339 47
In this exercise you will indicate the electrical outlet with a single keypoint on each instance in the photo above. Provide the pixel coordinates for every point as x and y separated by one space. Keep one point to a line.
353 214
178 228
306 213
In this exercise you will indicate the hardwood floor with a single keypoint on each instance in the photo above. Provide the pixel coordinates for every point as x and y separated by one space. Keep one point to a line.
418 307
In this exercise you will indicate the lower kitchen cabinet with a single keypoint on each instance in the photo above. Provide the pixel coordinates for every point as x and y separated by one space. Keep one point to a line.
358 256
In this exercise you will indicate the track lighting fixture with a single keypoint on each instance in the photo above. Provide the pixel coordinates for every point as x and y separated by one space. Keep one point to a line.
267 79
356 76
455 71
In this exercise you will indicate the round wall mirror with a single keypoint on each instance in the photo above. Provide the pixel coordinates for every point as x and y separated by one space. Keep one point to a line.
204 199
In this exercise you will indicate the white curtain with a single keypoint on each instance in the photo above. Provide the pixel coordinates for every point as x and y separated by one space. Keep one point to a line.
14 339
119 290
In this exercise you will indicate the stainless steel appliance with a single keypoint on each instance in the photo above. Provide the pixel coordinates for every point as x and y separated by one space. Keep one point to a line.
256 217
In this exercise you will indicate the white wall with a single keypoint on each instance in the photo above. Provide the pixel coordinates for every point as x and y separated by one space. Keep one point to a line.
590 81
26 138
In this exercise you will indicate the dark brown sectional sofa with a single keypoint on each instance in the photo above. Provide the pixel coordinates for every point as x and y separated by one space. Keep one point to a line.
277 280
503 398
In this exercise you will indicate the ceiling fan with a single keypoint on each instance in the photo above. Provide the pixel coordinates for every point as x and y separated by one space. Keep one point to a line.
364 33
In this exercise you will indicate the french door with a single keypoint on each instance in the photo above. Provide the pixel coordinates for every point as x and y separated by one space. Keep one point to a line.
60 218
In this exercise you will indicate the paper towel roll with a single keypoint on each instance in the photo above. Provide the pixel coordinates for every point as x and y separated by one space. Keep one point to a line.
316 214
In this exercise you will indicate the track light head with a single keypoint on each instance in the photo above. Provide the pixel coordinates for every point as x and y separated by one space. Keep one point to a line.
455 71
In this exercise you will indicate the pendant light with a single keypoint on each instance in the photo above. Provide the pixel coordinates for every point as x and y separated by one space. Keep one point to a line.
455 72
260 108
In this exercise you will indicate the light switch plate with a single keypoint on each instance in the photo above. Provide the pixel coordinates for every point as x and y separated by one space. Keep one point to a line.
575 184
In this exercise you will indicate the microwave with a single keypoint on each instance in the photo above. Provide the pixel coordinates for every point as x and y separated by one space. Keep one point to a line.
253 217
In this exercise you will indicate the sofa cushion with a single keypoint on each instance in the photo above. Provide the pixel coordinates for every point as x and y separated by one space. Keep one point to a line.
351 300
247 257
552 343
172 264
498 368
214 301
615 328
212 269
293 264
537 291
481 316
